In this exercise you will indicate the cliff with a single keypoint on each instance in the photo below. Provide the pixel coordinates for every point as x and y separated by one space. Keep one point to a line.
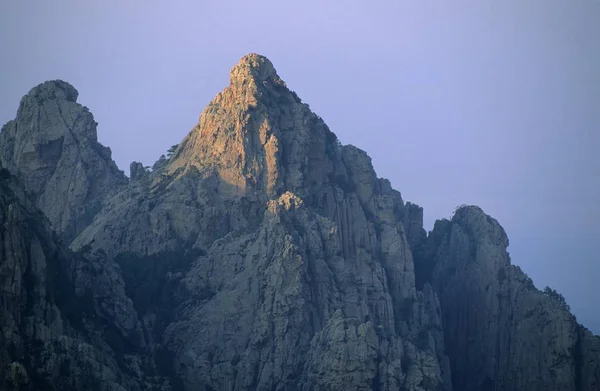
264 254
501 332
53 148
66 320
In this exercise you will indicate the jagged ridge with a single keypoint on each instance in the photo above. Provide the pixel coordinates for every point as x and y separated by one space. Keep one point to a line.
279 260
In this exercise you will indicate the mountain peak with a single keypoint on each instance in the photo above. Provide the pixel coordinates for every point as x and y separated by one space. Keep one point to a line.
250 130
255 67
480 225
53 89
52 145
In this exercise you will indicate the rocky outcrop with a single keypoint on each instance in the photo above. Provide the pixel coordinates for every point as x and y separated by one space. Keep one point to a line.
501 332
136 171
53 148
298 236
66 321
263 254
281 308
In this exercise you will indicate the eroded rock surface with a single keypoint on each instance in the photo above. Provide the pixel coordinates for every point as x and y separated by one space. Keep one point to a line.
260 255
66 321
501 332
295 228
52 147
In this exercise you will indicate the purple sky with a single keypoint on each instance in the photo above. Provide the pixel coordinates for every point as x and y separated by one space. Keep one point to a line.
494 103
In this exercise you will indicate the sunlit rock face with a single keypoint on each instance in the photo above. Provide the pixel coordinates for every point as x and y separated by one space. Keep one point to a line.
264 255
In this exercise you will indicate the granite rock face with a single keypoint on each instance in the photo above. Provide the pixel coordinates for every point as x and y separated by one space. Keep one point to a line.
65 318
53 148
264 255
296 238
501 332
281 308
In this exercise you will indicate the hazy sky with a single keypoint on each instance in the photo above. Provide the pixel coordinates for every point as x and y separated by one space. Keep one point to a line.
494 103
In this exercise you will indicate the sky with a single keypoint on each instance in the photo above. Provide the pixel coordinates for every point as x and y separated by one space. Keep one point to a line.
492 103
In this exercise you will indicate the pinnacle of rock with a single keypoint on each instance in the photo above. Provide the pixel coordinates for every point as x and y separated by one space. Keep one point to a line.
476 221
246 128
491 306
53 89
52 145
253 66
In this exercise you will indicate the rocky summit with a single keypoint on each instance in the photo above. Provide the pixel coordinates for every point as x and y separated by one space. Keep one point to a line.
261 254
